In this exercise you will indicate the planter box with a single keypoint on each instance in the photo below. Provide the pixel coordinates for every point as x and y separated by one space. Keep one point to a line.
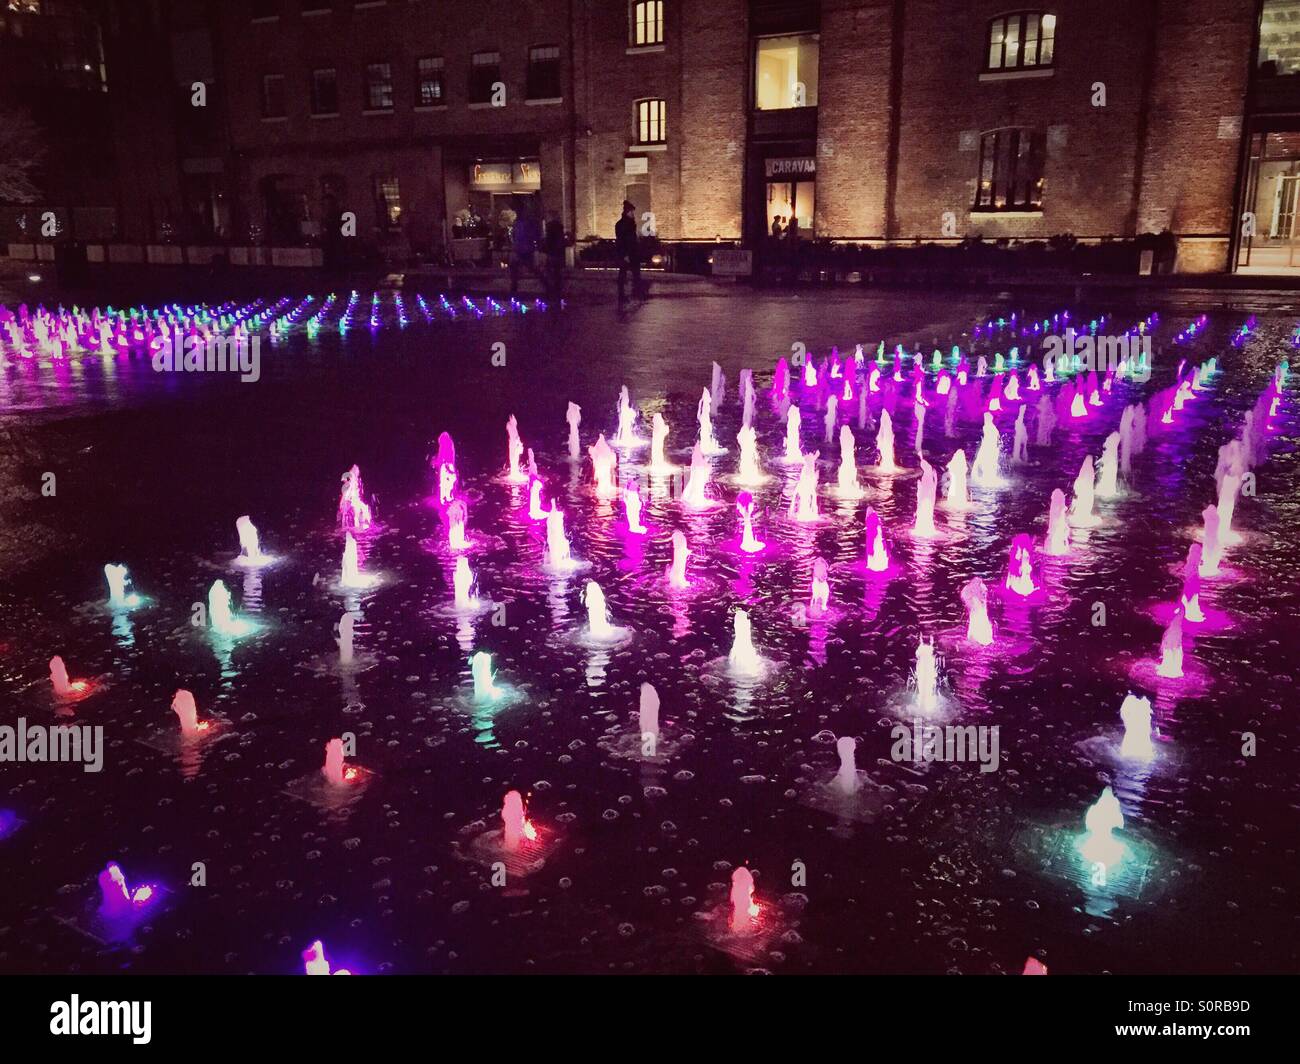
302 258
164 255
128 253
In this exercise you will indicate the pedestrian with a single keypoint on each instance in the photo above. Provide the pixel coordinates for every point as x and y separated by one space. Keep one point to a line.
553 243
629 252
776 227
523 248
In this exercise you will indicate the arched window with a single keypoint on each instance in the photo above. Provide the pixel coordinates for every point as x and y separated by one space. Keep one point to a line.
1011 171
1022 40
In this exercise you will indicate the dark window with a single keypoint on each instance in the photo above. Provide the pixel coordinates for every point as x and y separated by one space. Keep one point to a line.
264 9
1025 40
646 22
324 92
484 72
388 203
379 87
273 96
651 122
428 82
1011 171
544 73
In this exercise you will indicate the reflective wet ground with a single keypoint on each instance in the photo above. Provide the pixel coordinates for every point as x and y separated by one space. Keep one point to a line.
930 868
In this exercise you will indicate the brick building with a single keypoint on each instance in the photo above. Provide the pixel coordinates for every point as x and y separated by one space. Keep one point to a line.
420 122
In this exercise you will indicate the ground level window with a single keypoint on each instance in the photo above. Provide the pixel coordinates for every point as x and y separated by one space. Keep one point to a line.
388 203
1011 171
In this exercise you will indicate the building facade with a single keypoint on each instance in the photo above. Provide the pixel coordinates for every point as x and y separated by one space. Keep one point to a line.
420 126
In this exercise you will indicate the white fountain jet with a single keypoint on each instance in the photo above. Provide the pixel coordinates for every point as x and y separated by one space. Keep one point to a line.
659 464
927 677
750 472
926 490
975 597
516 828
743 659
347 629
708 442
1081 515
632 508
1057 542
819 597
188 715
250 548
604 461
351 575
695 495
1136 715
793 448
1103 818
627 414
957 497
598 626
847 486
558 554
745 507
120 595
885 445
1171 649
648 719
514 452
877 553
984 470
462 582
803 502
675 574
573 415
484 679
1108 468
1212 552
846 778
221 616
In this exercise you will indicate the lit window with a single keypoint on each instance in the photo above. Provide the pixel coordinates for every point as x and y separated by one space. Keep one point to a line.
785 72
1024 40
647 23
388 203
1279 43
379 87
428 82
324 92
651 122
544 73
273 96
484 73
1011 171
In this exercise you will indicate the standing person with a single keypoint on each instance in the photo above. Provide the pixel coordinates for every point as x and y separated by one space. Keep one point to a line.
553 242
777 231
629 252
523 246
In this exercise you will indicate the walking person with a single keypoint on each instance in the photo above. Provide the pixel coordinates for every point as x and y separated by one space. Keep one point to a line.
553 243
523 248
629 252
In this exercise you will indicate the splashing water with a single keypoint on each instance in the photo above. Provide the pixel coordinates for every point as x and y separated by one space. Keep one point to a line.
250 549
59 676
120 597
695 494
480 671
1171 649
975 597
626 435
354 512
352 576
462 582
744 909
885 444
751 470
573 415
926 677
1020 573
744 659
220 615
598 626
632 508
314 961
708 442
514 452
536 511
820 595
1103 818
659 463
1136 715
847 482
515 825
1108 468
1057 542
347 625
675 574
846 779
457 515
1081 515
1212 553
925 492
793 448
648 713
957 497
558 555
335 771
1190 600
745 507
877 554
984 470
803 503
603 462
117 900
188 714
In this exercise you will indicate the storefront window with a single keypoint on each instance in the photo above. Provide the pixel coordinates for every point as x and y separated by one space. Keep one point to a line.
1270 238
785 72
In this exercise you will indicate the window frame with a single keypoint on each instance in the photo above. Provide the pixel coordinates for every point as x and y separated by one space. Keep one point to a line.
531 88
383 210
368 85
474 67
437 74
314 100
1033 182
757 48
1021 20
635 22
649 121
267 115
